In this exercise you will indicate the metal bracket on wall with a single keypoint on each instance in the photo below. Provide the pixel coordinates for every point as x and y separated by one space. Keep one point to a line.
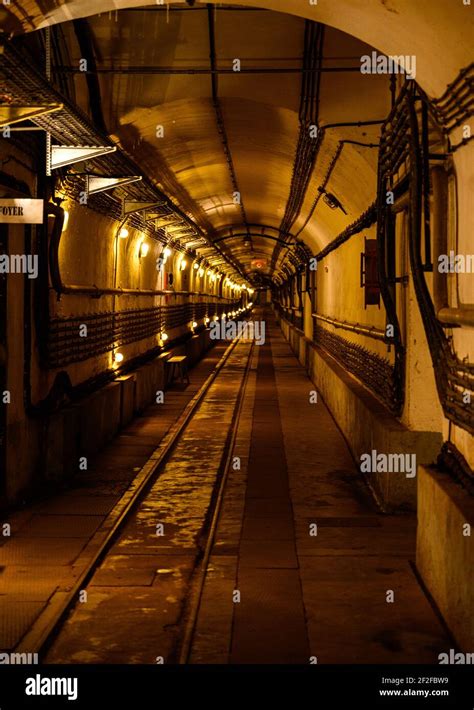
131 206
98 183
62 155
11 113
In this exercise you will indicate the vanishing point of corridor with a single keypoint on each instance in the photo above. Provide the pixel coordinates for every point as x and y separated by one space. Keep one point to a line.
236 350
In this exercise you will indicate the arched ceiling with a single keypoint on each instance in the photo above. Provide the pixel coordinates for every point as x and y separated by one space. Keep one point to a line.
439 32
157 101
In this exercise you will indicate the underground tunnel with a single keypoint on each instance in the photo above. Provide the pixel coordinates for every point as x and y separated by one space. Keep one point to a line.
236 344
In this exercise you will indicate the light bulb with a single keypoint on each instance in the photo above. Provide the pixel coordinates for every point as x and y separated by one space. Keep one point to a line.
123 234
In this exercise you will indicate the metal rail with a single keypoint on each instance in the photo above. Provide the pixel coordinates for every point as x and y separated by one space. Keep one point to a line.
97 292
226 463
203 70
48 624
368 330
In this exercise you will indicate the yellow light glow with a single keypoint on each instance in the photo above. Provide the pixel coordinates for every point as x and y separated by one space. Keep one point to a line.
144 247
182 264
118 357
196 266
164 336
123 234
194 324
66 220
167 252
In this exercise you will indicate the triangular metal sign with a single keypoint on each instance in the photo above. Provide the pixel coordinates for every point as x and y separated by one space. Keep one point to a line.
97 183
15 114
62 155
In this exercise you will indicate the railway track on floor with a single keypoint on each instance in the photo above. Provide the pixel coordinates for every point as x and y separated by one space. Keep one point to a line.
49 624
197 585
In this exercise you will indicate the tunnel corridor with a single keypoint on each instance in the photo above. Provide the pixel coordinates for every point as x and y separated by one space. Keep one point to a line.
294 525
236 343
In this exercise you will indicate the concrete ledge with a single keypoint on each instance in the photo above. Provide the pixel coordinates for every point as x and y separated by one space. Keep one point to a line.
62 442
194 348
365 422
149 379
127 398
444 554
84 428
99 418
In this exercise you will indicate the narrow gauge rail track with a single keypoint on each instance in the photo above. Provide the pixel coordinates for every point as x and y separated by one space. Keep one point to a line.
49 624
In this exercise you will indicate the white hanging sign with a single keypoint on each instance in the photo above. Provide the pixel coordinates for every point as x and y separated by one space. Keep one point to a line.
21 211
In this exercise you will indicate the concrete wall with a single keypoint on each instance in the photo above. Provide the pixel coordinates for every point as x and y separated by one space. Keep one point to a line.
445 551
365 422
47 448
82 429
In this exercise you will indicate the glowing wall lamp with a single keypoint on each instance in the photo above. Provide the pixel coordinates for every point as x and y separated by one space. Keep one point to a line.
143 250
118 357
162 338
182 264
123 234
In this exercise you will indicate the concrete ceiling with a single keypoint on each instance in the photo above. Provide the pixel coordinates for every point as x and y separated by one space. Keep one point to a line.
259 110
